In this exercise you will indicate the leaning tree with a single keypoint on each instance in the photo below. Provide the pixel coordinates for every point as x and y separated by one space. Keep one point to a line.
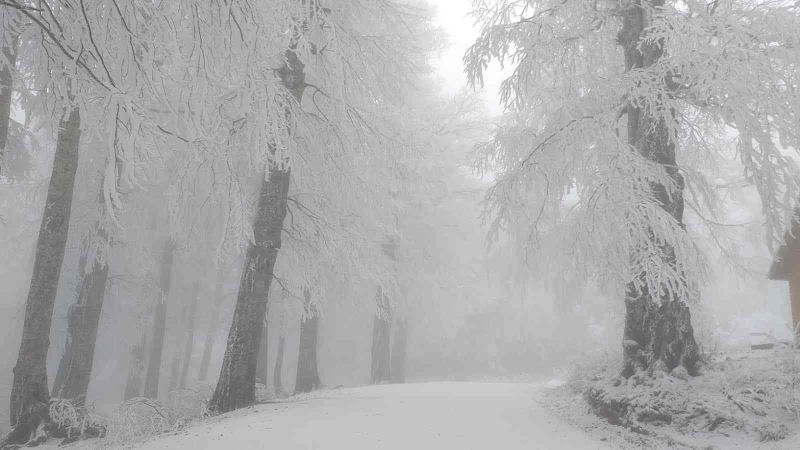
614 114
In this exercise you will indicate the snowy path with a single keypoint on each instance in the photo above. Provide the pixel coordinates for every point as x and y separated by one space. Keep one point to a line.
496 416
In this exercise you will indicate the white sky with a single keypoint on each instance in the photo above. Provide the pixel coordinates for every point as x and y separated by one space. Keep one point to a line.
453 17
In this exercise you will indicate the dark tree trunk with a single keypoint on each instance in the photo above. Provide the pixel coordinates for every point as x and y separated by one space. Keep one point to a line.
381 337
307 374
174 373
30 396
6 85
187 352
159 323
236 384
212 327
399 352
136 370
279 366
75 368
658 331
262 365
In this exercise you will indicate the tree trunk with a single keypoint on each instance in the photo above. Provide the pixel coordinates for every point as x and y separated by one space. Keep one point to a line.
658 331
9 50
134 385
381 337
174 373
307 374
262 364
187 353
30 396
399 353
212 327
279 367
236 385
159 323
75 368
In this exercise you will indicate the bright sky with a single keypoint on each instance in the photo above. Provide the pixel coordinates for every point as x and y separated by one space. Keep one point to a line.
453 17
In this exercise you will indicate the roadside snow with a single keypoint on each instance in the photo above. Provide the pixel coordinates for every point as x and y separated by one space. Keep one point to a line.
412 416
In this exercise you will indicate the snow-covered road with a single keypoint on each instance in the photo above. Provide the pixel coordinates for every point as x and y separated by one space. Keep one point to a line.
441 416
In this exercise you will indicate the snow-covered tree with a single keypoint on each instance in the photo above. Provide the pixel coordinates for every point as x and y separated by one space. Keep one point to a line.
615 108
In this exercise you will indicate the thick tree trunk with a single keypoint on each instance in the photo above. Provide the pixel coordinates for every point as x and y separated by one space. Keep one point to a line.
136 370
658 331
307 374
30 396
75 368
279 366
399 352
188 350
262 364
381 337
159 323
212 327
236 385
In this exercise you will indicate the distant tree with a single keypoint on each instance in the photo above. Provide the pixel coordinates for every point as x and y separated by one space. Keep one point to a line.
155 355
307 372
381 341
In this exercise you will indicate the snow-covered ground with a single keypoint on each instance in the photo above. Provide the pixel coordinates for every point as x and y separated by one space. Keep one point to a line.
444 415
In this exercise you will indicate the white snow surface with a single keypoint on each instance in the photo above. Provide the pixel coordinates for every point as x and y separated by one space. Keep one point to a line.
442 415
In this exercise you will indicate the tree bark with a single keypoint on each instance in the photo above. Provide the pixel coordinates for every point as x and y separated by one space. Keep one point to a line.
136 370
262 364
212 327
399 352
30 396
75 368
159 323
658 331
187 352
236 385
279 367
307 374
381 337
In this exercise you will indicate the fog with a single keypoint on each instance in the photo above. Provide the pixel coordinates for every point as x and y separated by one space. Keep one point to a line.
326 197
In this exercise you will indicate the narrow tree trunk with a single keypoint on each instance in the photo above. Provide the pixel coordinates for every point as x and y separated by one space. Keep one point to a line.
262 365
279 367
136 370
30 396
212 327
75 368
381 337
399 352
174 373
307 374
187 352
658 331
159 323
9 50
236 385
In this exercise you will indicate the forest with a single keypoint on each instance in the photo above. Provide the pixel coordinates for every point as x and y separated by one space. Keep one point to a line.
320 224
